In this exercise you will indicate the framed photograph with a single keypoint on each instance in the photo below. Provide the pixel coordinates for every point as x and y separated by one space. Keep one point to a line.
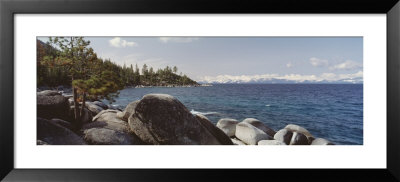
153 91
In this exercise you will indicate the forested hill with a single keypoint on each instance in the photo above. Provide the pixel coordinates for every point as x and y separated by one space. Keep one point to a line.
54 69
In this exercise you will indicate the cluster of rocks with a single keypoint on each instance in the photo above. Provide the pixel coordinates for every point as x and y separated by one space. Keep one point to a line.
156 119
254 132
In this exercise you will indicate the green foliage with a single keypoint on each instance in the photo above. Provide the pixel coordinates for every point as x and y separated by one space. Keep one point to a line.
70 61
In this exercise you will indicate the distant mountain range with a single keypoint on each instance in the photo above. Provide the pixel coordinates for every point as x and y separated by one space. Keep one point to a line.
356 80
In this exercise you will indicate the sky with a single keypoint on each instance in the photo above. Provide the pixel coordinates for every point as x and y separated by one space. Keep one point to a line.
241 59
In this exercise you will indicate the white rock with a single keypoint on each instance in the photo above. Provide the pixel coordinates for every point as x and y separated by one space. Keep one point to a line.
270 142
284 136
260 125
298 139
249 134
71 101
105 111
48 93
129 109
293 128
237 142
228 126
321 141
95 109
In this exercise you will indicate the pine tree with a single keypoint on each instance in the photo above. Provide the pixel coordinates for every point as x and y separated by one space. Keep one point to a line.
86 72
145 73
137 75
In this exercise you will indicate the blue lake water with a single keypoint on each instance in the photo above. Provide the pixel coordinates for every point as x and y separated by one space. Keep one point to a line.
331 111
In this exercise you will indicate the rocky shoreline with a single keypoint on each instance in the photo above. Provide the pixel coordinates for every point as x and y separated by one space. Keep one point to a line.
156 119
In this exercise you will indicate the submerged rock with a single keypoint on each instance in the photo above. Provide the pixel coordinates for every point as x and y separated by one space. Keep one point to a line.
260 125
321 141
249 134
55 134
298 139
284 136
162 119
271 142
228 126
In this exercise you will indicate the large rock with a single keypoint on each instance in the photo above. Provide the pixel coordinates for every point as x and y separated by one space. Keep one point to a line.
108 129
298 139
52 106
104 136
299 129
162 119
270 142
108 119
310 139
95 109
218 133
87 116
129 109
284 136
321 141
260 125
62 123
54 134
249 134
228 126
48 93
237 142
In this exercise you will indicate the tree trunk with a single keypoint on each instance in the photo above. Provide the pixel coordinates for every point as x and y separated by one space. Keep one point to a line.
75 95
76 106
83 106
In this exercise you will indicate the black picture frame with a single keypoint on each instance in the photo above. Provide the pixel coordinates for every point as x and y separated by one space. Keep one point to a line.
9 8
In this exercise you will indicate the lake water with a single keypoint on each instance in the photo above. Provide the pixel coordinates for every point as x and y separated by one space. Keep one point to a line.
331 111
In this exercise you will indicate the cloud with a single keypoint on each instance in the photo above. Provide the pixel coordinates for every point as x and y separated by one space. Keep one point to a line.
177 39
288 78
289 65
347 65
118 42
318 62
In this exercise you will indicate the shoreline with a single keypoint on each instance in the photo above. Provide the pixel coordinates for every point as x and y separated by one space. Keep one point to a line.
105 125
169 86
68 89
